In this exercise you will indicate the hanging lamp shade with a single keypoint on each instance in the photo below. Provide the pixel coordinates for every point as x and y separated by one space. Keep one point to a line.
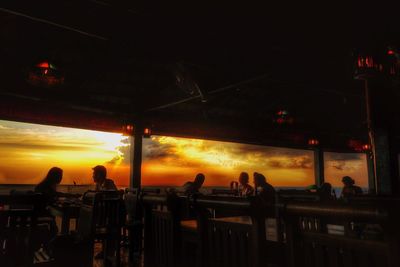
45 74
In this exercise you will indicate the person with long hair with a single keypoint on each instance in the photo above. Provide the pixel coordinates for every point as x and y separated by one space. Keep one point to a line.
48 186
349 188
245 189
264 190
190 188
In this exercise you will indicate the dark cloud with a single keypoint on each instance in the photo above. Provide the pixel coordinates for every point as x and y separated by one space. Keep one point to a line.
152 150
267 151
39 146
304 162
344 161
124 156
248 154
338 165
343 156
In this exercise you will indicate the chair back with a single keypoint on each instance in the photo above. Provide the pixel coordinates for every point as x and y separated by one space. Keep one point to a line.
86 227
132 205
109 210
18 223
337 235
162 234
229 244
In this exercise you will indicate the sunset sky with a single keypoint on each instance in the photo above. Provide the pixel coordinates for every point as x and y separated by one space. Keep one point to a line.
27 151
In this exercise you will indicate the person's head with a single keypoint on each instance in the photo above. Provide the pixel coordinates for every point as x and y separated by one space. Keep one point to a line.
53 177
312 188
259 179
199 180
347 180
325 188
99 174
244 178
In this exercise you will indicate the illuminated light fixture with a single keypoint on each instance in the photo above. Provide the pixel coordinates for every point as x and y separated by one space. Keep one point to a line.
45 74
366 147
313 142
283 117
358 145
147 132
385 62
128 129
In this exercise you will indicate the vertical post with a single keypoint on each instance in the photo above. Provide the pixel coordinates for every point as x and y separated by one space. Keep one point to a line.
136 161
372 175
383 168
319 166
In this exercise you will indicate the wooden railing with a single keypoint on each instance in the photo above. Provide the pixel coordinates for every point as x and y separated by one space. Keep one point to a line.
314 233
336 234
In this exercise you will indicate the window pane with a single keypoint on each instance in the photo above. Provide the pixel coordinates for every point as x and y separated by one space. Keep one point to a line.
28 151
170 161
338 165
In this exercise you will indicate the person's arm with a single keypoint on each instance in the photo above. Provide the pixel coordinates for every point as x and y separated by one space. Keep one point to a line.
250 191
61 194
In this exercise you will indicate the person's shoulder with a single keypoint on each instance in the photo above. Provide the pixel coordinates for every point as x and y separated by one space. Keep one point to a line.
187 184
270 187
41 188
109 181
358 189
109 184
38 188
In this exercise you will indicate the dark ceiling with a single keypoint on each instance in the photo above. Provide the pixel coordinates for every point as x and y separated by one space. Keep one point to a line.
239 64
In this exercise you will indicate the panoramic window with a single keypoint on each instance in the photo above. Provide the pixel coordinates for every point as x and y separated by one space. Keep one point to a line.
28 151
170 161
338 165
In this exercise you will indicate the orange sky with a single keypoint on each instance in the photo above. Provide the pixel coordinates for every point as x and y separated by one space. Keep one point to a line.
173 161
27 151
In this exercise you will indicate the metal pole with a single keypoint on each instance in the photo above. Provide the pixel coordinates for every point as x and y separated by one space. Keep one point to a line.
319 170
371 134
136 177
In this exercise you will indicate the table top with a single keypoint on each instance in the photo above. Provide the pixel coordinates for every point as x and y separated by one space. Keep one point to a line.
61 208
192 224
189 224
235 219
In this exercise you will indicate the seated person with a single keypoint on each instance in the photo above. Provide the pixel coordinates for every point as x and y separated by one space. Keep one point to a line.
48 187
101 180
190 188
263 189
325 192
245 189
349 189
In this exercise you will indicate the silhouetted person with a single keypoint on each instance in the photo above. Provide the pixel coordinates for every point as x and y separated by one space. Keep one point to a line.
193 187
245 189
101 180
325 192
264 190
48 187
349 189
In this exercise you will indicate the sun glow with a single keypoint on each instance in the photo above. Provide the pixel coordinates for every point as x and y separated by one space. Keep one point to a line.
27 151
